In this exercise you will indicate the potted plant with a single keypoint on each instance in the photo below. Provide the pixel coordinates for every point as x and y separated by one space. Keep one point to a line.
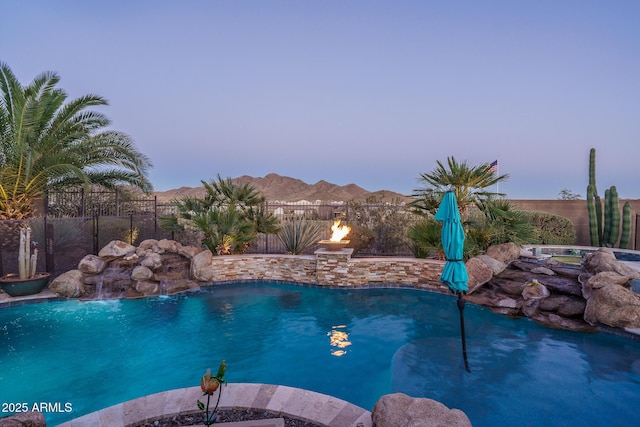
27 281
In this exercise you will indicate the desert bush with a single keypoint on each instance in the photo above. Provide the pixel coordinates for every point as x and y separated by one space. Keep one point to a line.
387 221
552 229
360 238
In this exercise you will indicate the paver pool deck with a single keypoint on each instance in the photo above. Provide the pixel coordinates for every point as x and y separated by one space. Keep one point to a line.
320 409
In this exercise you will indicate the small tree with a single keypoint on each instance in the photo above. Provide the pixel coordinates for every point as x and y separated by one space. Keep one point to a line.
469 183
566 194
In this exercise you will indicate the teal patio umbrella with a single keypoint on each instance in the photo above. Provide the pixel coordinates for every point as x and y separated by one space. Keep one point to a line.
454 274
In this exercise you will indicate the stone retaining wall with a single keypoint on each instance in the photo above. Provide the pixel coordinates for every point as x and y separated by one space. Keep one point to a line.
160 267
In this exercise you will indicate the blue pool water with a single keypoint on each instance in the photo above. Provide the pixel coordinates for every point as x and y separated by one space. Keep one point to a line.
353 344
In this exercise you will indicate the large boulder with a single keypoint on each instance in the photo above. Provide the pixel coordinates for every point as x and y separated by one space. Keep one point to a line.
400 410
604 259
68 285
147 287
564 305
24 419
505 252
117 249
151 260
202 266
613 305
189 251
496 266
535 290
602 279
166 245
479 273
177 286
92 264
140 272
148 245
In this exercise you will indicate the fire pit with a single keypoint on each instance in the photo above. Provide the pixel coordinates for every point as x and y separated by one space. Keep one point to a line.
335 243
330 245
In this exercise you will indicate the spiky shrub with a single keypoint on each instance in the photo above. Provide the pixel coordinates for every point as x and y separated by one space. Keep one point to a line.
502 223
425 238
299 235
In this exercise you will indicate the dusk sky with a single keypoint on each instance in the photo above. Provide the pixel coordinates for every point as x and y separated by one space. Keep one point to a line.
364 92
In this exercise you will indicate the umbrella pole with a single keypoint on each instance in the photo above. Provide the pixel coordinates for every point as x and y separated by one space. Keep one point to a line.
464 341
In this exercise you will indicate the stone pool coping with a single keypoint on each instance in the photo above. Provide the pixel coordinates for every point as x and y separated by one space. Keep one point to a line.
318 408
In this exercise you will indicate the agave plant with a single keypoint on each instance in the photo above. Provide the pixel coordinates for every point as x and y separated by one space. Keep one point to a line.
298 236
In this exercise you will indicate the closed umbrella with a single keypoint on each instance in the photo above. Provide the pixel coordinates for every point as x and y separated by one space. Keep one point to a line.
454 274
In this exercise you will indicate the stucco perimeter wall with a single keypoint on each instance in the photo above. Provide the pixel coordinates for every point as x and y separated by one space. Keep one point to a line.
576 211
330 268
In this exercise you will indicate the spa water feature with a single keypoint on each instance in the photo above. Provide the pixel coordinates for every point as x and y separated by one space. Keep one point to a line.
94 354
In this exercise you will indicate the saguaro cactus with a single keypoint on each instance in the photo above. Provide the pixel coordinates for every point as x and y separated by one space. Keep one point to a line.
626 226
611 217
593 220
594 206
606 234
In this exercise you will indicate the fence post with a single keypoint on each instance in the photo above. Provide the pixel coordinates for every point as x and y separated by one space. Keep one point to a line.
83 201
49 251
266 236
1 263
95 233
155 217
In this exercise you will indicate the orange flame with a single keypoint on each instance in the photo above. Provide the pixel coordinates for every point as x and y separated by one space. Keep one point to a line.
338 231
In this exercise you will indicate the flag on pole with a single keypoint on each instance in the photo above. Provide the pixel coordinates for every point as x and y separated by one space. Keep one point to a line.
494 167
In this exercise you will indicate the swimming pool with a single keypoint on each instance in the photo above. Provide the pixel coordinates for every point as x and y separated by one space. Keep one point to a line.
353 344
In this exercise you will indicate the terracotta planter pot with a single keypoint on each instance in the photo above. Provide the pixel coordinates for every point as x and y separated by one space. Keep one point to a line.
17 287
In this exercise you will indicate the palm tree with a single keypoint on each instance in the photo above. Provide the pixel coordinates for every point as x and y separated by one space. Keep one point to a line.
48 142
468 183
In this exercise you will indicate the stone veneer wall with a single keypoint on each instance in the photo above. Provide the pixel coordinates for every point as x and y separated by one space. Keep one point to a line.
329 268
287 268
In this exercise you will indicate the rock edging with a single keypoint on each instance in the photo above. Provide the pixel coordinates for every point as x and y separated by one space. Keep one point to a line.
557 295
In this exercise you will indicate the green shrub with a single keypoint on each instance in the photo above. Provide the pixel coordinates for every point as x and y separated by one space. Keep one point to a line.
497 222
552 229
425 238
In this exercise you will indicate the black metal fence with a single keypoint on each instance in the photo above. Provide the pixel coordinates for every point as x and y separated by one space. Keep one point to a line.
78 223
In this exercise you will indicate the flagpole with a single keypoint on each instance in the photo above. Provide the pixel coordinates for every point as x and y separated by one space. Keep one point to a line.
494 169
497 183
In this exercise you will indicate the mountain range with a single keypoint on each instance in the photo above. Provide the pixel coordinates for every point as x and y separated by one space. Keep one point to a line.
283 188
